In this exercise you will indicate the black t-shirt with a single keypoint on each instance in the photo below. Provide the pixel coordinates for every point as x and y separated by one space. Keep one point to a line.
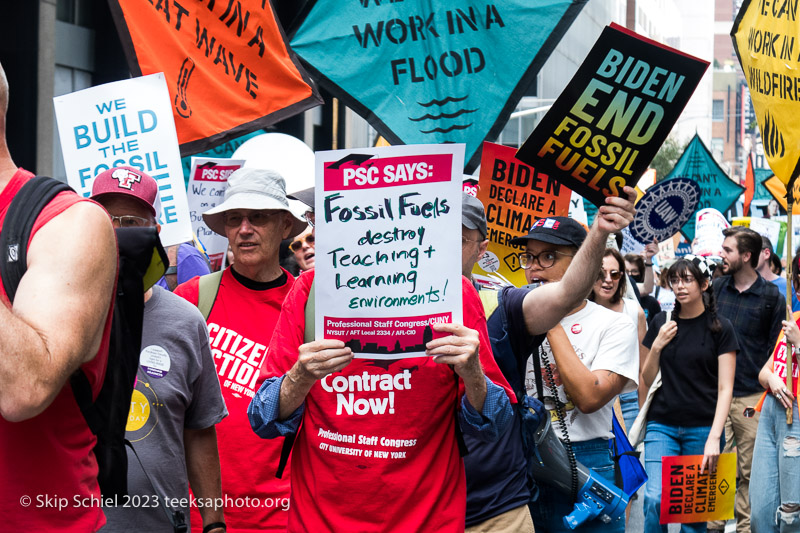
689 370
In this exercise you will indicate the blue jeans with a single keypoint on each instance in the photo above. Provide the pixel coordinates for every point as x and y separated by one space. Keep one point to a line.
660 441
775 475
552 506
629 405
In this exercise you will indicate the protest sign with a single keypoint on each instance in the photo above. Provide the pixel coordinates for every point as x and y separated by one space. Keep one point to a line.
688 496
684 248
664 209
778 190
455 71
629 244
514 196
207 183
764 37
388 247
126 123
577 211
224 151
708 235
227 65
774 230
717 189
608 124
666 252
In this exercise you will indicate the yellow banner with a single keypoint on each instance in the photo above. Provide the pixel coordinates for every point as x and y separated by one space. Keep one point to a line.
766 36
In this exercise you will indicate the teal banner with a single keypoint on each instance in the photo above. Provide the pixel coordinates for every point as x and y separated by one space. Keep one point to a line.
717 190
432 71
761 175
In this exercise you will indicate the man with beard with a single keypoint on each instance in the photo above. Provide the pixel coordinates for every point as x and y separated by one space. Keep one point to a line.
755 307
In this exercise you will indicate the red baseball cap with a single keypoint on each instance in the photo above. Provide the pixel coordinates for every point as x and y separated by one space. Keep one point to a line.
128 181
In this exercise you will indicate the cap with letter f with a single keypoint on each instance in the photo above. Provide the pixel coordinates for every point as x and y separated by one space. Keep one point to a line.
129 182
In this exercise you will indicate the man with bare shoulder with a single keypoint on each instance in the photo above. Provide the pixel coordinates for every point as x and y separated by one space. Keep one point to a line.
59 321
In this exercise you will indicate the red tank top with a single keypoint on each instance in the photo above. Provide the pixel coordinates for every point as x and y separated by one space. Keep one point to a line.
48 469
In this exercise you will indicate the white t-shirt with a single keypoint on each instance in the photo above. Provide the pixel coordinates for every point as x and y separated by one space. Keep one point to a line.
666 298
604 340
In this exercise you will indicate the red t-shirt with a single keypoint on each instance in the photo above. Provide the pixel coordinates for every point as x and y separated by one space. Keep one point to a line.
376 450
48 458
240 327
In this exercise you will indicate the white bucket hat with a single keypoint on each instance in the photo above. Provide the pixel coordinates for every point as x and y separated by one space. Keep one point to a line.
253 188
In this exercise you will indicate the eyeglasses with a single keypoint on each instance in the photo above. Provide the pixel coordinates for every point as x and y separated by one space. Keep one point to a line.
234 219
545 259
297 244
686 280
309 216
464 240
613 274
129 221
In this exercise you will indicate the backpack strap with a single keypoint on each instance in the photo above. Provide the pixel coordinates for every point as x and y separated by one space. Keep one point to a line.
25 207
767 300
208 288
176 518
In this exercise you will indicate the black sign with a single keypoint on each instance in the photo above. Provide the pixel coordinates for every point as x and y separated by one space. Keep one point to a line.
605 128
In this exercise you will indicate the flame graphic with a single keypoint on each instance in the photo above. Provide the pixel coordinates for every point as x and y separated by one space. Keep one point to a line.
772 137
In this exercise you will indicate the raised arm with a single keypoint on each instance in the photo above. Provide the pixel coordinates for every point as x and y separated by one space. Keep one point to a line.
59 312
653 361
545 306
649 281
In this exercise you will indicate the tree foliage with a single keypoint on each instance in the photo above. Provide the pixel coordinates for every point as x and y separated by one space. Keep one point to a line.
667 156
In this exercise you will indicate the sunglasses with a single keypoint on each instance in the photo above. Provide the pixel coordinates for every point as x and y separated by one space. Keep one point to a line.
297 244
234 219
613 274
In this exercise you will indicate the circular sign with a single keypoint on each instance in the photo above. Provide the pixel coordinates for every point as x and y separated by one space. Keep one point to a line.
489 262
154 360
666 207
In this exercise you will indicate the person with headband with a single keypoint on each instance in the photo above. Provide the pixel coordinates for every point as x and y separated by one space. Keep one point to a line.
695 351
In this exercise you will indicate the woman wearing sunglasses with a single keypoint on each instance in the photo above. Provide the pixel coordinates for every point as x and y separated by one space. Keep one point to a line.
775 473
303 248
608 291
696 353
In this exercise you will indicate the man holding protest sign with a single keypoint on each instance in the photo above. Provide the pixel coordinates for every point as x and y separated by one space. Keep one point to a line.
175 436
241 306
380 497
496 472
401 364
59 322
